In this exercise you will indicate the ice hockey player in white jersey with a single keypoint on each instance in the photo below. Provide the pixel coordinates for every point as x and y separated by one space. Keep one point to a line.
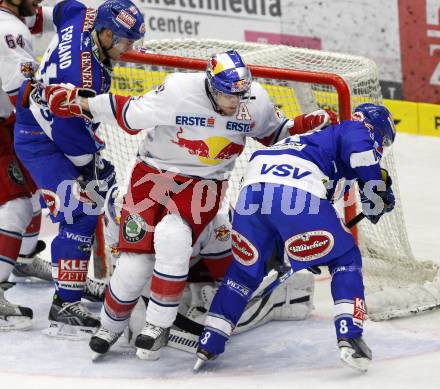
20 211
209 261
197 125
286 196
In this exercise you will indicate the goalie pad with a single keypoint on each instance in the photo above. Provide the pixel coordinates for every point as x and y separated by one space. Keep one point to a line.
292 300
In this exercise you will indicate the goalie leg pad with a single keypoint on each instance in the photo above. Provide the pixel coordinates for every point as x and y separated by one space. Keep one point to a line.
292 300
172 243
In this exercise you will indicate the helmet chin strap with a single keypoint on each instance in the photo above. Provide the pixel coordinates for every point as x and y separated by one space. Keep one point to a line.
102 47
211 98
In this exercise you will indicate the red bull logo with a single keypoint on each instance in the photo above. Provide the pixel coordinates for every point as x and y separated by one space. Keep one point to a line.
213 64
240 86
212 150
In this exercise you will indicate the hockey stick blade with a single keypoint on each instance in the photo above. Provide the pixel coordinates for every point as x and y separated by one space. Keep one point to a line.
183 323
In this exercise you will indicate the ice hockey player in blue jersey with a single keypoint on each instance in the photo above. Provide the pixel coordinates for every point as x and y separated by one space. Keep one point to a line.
286 195
63 154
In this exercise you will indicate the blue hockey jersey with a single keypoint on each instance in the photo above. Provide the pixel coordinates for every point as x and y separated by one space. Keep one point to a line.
315 162
71 57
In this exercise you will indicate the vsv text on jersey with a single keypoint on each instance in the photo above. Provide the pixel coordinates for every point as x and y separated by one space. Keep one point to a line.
284 170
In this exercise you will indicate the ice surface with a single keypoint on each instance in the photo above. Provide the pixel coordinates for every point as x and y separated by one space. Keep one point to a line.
406 352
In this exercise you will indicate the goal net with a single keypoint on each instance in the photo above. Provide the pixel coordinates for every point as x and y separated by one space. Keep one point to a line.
298 81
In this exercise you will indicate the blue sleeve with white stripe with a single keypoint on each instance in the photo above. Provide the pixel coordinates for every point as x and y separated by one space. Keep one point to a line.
360 152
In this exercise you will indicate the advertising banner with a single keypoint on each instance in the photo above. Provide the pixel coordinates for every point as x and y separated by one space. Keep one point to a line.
401 36
420 49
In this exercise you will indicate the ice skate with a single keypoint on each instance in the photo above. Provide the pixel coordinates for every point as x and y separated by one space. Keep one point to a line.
94 290
13 317
70 320
150 340
32 268
355 353
101 342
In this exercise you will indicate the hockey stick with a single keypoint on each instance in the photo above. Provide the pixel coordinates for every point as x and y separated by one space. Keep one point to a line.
183 341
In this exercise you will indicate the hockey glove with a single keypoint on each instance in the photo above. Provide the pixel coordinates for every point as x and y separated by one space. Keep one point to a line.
96 179
313 121
63 100
372 207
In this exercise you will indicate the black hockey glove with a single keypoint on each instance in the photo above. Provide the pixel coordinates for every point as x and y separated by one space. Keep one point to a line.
377 198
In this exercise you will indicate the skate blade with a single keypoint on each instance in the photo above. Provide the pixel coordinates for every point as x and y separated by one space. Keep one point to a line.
13 323
147 355
358 364
23 279
198 365
69 332
96 356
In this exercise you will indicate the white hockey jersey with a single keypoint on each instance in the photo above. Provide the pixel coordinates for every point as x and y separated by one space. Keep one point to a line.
16 52
184 133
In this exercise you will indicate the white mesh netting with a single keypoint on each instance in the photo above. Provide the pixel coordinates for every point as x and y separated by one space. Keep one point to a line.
396 283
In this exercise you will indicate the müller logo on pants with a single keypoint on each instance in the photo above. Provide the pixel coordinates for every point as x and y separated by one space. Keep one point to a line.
310 245
244 251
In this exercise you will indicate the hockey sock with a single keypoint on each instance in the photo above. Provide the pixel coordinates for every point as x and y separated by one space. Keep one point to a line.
30 237
131 274
348 294
71 251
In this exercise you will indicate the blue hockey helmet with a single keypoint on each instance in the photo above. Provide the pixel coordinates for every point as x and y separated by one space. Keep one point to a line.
122 17
227 73
381 119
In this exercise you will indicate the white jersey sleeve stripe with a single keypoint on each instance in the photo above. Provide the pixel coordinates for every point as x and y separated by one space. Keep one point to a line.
219 324
364 158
